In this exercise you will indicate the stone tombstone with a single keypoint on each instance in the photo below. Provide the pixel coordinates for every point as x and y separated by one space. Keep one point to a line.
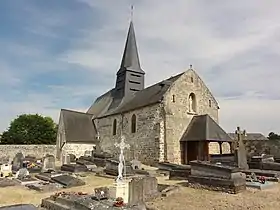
66 159
150 187
72 158
142 189
136 190
5 170
87 153
48 163
240 150
22 173
17 162
136 164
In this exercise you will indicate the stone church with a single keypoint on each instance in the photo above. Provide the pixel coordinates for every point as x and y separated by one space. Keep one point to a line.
174 120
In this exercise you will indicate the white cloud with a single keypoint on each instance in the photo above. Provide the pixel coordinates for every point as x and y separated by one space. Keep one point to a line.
225 35
234 46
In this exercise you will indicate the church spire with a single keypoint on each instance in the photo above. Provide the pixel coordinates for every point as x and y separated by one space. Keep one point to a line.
130 59
130 77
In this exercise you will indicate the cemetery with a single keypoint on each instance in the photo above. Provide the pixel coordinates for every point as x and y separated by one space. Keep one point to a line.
97 180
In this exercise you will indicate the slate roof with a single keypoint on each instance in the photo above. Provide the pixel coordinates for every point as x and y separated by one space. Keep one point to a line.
78 126
204 128
251 136
130 59
148 96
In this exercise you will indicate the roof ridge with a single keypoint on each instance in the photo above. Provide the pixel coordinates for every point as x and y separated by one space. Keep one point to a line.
74 111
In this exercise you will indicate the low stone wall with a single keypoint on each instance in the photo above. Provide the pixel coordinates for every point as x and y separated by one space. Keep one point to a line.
257 147
76 149
33 150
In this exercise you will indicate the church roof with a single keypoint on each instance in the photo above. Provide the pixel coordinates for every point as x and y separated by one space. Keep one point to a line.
130 59
251 136
148 96
204 128
78 126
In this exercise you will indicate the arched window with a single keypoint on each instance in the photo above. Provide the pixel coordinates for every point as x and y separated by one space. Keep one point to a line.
133 123
115 127
192 103
191 79
210 104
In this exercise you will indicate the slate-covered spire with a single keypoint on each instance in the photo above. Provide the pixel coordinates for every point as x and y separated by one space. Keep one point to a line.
130 77
130 59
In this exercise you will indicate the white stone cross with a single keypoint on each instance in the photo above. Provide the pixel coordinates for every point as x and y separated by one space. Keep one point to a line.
122 145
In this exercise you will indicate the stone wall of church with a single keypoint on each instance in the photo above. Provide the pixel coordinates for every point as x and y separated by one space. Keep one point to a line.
33 150
146 144
178 115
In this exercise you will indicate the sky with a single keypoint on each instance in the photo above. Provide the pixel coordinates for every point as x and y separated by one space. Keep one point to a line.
63 54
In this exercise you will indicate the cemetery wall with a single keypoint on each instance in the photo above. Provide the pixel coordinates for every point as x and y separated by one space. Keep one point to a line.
259 147
33 150
178 115
76 149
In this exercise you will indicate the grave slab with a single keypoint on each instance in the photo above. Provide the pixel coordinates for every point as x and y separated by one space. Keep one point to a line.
74 168
68 181
26 181
44 186
19 207
260 186
5 182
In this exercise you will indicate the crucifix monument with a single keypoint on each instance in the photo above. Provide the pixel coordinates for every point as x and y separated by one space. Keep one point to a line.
240 150
122 145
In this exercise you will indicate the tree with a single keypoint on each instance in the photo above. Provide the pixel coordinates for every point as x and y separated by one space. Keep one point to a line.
273 136
30 129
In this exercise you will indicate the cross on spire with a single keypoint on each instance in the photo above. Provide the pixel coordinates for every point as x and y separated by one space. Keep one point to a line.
131 12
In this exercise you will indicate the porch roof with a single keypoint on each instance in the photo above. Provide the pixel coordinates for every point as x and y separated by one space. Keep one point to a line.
204 128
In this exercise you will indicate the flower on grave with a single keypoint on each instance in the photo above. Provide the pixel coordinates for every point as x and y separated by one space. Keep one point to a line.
119 202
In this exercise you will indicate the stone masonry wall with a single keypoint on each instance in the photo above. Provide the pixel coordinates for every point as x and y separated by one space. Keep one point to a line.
76 149
33 150
178 115
146 145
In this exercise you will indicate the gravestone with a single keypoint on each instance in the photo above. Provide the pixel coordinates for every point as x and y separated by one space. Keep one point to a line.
66 159
6 170
87 153
48 163
22 173
17 162
72 158
142 189
136 164
240 150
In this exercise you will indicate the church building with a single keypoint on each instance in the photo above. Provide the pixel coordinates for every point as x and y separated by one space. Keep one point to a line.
175 120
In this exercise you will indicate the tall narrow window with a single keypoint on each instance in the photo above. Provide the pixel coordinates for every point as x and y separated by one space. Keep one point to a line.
133 123
210 103
173 98
115 127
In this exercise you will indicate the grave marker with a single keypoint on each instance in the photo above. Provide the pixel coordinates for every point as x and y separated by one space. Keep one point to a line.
48 163
240 150
17 162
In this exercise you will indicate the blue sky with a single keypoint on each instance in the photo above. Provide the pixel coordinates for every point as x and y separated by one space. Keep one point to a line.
63 54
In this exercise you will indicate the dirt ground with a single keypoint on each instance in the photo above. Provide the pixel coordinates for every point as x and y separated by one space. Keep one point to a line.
186 198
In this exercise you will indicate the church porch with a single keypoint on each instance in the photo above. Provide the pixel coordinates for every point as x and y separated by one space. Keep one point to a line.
205 140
